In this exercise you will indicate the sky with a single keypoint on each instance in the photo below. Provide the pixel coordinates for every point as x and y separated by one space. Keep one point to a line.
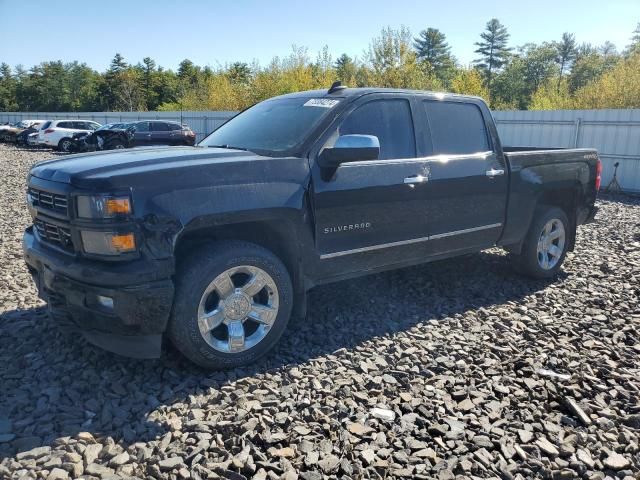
216 33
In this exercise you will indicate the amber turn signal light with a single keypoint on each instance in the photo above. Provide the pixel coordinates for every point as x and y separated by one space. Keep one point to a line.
123 243
117 206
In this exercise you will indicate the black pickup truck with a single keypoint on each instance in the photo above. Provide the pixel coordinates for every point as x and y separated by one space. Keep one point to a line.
215 246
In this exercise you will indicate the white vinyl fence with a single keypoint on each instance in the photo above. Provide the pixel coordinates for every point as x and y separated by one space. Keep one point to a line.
615 133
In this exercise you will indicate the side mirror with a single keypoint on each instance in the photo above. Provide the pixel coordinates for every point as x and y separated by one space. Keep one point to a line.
350 148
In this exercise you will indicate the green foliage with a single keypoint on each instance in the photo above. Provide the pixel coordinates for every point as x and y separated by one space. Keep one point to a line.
558 74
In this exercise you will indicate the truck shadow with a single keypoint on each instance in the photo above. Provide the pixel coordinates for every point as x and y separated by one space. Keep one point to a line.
65 386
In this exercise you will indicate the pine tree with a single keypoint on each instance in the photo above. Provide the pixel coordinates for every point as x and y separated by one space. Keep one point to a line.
634 47
345 68
148 70
240 73
431 46
493 50
567 52
118 64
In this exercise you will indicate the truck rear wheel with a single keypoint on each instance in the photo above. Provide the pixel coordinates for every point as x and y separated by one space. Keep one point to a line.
233 302
545 246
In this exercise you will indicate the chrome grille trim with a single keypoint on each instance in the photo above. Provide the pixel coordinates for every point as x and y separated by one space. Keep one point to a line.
55 202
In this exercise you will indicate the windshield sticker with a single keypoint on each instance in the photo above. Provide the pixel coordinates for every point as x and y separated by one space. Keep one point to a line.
321 102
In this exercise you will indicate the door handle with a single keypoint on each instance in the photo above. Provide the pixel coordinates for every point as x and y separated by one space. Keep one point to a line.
416 179
494 173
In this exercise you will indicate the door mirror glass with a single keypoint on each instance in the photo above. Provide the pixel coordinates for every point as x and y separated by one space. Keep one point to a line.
350 148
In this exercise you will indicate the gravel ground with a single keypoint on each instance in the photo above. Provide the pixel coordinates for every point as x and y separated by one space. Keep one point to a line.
459 369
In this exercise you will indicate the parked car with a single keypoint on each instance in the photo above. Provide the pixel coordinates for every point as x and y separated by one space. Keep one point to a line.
21 138
59 132
216 246
20 124
112 136
11 133
157 132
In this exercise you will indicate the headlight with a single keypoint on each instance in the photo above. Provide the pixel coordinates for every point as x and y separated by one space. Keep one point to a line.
108 243
103 206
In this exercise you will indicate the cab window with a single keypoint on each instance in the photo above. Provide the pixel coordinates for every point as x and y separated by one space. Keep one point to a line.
389 120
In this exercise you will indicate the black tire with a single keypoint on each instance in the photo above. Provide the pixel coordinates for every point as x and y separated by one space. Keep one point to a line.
64 145
195 274
528 262
113 144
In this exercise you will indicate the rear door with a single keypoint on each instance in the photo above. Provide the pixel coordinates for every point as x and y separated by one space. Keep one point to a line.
175 134
467 188
372 213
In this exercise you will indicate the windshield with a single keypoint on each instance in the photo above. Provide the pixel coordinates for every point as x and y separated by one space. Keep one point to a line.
272 126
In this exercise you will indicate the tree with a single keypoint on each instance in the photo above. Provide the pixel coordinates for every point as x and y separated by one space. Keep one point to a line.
117 64
188 72
634 46
431 47
468 81
239 72
566 53
393 62
149 83
7 89
83 87
113 81
591 63
345 69
493 50
617 88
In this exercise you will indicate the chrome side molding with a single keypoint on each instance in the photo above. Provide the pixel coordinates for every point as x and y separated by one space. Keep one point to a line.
407 242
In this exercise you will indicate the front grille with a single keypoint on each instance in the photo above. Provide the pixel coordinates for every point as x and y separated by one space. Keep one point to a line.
49 201
54 234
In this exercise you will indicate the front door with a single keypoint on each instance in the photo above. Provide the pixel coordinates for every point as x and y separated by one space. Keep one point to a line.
467 189
371 213
142 134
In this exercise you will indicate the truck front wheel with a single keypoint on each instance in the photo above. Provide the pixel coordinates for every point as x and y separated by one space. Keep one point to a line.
233 302
545 246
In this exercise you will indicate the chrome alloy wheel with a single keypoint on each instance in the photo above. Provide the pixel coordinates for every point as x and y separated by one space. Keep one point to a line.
237 309
551 244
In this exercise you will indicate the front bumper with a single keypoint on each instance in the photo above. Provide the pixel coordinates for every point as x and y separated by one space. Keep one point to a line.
71 287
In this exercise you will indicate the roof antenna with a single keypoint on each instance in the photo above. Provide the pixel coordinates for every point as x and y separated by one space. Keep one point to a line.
336 87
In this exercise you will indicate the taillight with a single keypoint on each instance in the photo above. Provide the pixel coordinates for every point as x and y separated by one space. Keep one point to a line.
598 174
49 130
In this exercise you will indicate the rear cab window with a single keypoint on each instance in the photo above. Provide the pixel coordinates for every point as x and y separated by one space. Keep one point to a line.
457 128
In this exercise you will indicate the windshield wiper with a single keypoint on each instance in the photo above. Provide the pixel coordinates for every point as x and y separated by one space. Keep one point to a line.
229 147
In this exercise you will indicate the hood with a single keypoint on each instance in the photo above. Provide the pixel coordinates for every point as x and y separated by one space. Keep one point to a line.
165 165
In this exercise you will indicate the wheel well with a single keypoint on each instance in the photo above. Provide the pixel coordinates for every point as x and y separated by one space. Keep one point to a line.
278 239
567 200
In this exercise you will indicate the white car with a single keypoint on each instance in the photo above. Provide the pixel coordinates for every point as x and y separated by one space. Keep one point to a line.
58 133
